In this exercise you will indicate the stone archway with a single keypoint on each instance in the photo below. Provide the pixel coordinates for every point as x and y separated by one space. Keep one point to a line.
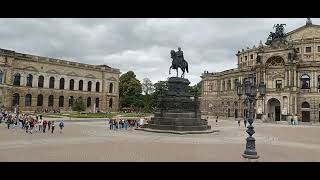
274 109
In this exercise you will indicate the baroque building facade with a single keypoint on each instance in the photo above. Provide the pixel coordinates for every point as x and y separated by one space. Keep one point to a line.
289 66
36 83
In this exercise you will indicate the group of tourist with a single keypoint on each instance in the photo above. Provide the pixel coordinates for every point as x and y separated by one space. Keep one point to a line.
28 123
120 123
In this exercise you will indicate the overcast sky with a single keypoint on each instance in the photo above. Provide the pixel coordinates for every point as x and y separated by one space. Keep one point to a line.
141 45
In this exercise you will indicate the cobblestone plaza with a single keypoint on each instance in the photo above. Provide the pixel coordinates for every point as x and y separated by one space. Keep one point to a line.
93 141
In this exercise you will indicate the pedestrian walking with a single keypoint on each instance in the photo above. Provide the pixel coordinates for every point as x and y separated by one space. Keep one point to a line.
217 120
44 126
40 124
31 125
27 126
239 122
114 124
8 122
126 124
61 125
52 127
111 124
49 125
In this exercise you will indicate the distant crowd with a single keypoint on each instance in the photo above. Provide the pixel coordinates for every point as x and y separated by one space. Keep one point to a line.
28 123
120 123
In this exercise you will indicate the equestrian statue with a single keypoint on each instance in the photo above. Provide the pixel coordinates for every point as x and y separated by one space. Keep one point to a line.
178 61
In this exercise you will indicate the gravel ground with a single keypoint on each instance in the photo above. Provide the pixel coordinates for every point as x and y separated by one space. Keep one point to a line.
93 141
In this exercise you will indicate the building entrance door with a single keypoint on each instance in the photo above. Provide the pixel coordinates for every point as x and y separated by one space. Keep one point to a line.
277 113
305 116
274 109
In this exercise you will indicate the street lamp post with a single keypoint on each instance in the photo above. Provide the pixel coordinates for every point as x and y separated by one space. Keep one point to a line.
248 90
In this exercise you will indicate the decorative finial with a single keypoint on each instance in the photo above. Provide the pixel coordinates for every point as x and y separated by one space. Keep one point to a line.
260 44
309 22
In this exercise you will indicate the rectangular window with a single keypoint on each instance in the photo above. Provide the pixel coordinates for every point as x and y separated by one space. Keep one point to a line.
318 48
278 84
251 56
308 49
210 88
246 58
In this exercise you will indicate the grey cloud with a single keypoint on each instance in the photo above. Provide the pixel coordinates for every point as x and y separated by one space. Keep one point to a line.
141 45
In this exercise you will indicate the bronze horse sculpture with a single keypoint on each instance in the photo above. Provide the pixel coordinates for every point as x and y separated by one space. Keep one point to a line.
178 63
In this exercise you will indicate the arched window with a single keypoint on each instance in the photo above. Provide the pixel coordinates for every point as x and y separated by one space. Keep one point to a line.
71 99
89 85
305 81
110 102
51 83
97 87
80 85
28 100
1 76
61 83
15 99
40 100
29 80
319 82
61 101
305 105
88 101
111 88
71 85
97 102
16 79
275 61
50 101
40 81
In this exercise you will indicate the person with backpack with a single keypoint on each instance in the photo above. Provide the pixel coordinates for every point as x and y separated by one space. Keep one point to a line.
49 125
52 127
61 125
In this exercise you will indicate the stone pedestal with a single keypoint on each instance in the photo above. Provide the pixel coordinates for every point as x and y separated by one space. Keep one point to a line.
178 110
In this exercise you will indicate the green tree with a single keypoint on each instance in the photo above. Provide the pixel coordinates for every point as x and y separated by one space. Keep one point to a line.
160 88
196 89
130 90
79 105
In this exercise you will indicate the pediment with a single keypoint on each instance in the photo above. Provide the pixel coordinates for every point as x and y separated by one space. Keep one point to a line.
112 79
72 74
52 71
304 32
31 68
90 76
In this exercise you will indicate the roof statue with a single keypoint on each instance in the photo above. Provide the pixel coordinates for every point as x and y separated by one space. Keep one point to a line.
277 36
309 22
